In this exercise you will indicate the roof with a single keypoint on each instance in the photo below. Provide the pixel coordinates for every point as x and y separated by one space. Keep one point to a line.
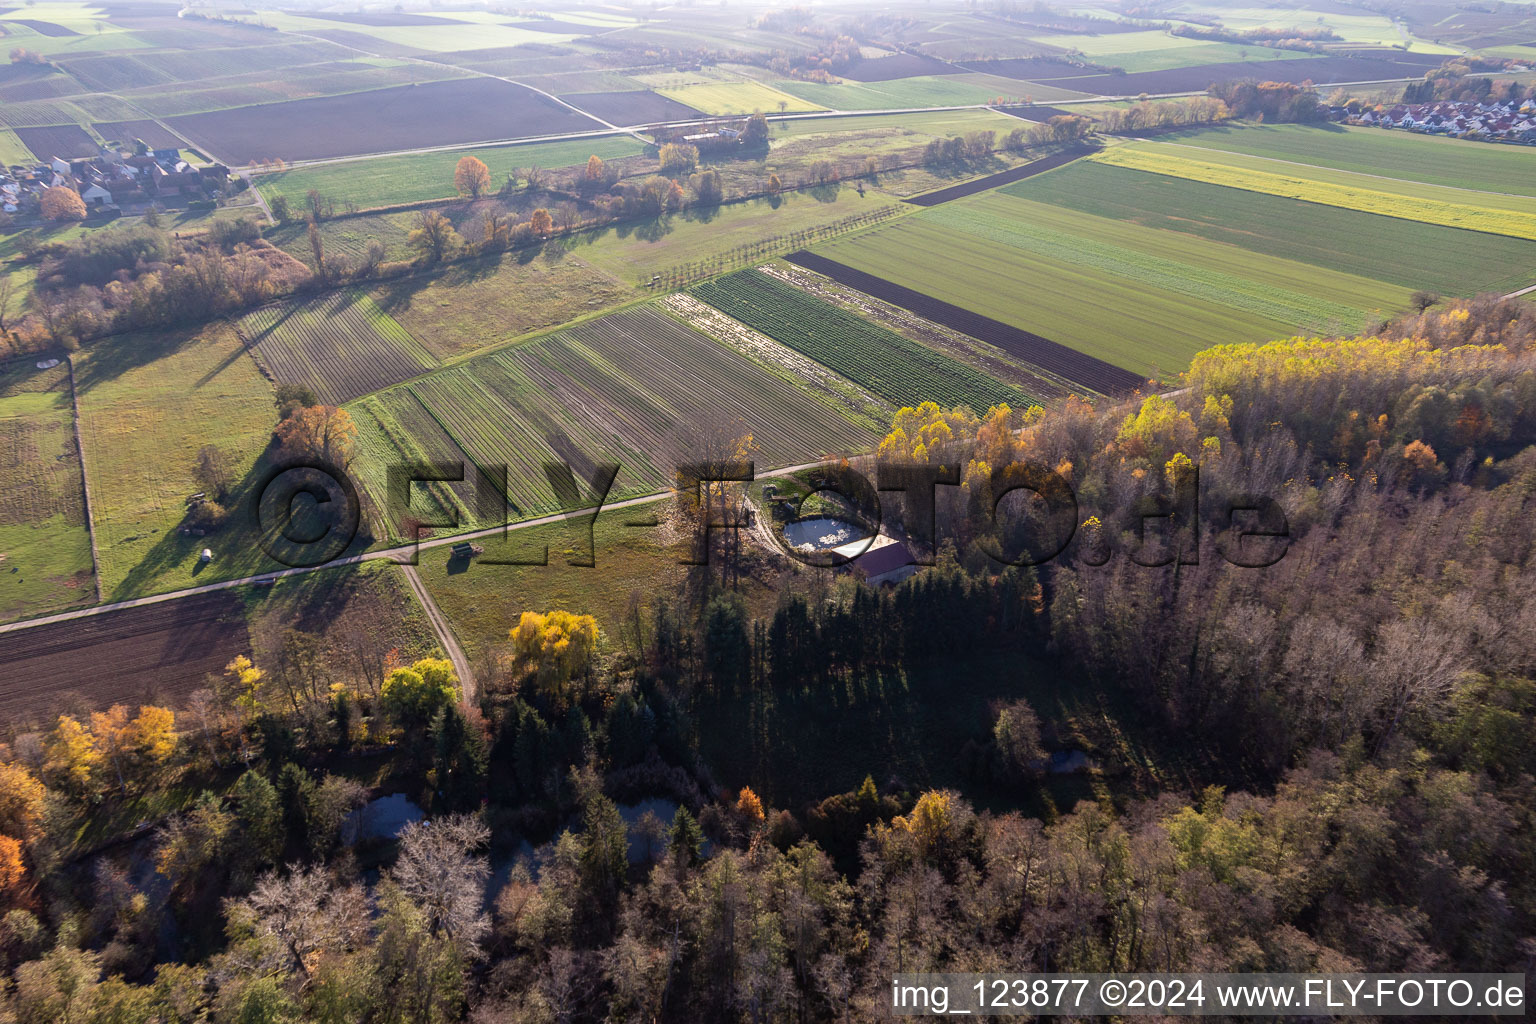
882 560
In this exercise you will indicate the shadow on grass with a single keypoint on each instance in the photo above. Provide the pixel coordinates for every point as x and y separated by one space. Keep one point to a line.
241 546
110 358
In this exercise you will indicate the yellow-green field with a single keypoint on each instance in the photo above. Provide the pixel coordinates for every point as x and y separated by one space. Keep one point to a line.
716 91
1155 159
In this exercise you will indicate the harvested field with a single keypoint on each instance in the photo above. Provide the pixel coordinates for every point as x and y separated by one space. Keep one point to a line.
1034 112
39 88
635 107
341 345
1091 373
889 365
114 73
147 131
1319 70
157 653
902 65
405 117
65 140
1029 69
991 181
636 388
45 28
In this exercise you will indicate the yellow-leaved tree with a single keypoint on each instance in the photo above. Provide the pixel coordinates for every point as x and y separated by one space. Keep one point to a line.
554 647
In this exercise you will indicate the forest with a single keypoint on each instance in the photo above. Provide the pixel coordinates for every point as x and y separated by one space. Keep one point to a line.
1364 693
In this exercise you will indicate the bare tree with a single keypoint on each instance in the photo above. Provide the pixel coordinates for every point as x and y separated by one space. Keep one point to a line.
439 873
305 911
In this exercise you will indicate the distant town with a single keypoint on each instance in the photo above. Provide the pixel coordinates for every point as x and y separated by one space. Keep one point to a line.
1511 121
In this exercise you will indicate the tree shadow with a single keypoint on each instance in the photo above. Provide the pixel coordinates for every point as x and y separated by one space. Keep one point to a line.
109 358
242 543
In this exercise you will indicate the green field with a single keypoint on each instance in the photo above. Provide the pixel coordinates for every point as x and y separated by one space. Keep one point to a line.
1290 294
1427 158
148 403
12 151
45 541
386 181
1405 253
1156 50
1141 299
893 367
635 388
340 344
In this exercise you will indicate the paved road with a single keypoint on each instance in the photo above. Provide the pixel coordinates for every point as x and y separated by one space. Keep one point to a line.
403 555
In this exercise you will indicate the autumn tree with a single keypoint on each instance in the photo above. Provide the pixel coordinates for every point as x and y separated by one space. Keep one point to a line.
433 237
541 222
12 868
21 802
62 203
471 177
412 696
755 133
775 185
708 187
678 158
597 174
554 648
322 433
71 755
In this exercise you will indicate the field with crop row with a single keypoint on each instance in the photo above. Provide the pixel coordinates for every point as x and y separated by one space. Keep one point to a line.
45 541
1129 322
1290 296
893 367
1154 159
1406 253
636 388
341 345
1427 158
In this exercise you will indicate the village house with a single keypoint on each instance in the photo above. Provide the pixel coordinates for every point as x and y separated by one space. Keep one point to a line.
111 180
1511 121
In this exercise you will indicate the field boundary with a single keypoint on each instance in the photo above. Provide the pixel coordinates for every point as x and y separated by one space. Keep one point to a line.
85 479
1078 367
1008 177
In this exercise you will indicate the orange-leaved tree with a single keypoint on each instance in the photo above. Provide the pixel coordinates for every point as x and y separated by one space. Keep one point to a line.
323 433
471 177
541 222
62 203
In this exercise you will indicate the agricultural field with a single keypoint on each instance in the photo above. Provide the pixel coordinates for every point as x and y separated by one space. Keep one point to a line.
929 91
1138 52
45 540
630 107
1143 302
486 302
12 149
67 141
1153 158
717 91
1351 242
156 653
416 177
146 131
341 345
148 403
406 117
891 366
1430 159
636 388
634 252
1321 71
